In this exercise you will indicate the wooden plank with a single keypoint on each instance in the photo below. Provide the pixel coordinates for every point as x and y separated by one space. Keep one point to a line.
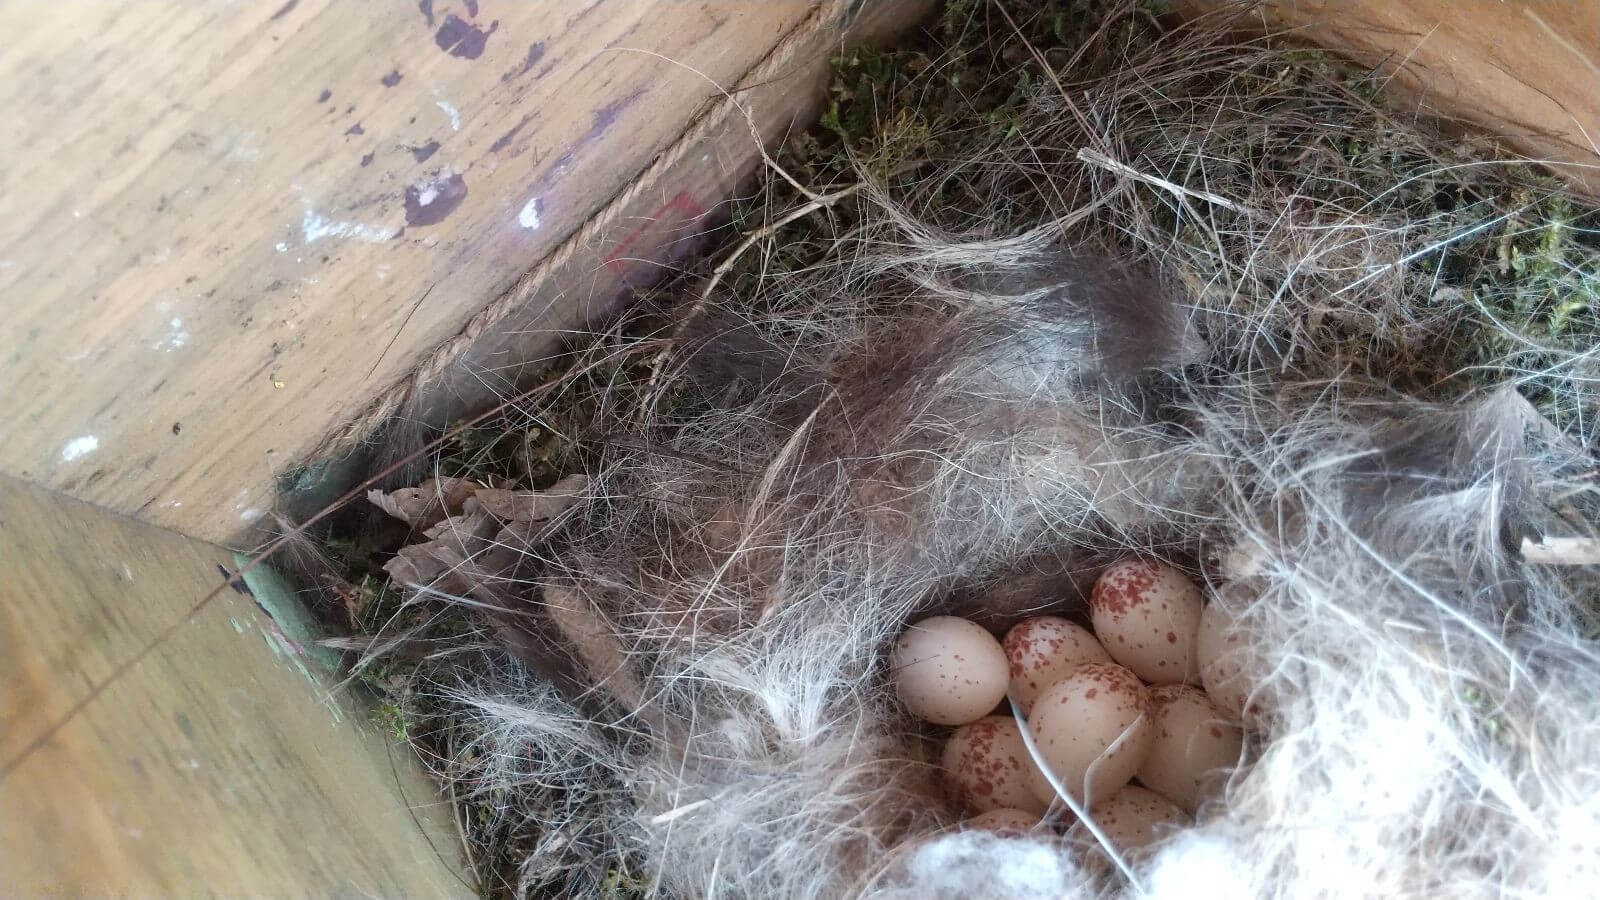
225 227
1528 70
219 762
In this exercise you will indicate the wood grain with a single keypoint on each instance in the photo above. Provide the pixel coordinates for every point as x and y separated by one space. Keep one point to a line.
218 764
224 228
1527 70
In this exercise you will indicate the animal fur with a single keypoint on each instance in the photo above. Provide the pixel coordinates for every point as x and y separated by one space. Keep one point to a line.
684 682
731 587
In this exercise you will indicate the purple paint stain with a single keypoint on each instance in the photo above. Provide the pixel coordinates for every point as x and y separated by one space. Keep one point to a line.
391 79
462 39
504 140
355 129
535 53
607 115
422 153
284 9
426 6
432 203
366 159
324 96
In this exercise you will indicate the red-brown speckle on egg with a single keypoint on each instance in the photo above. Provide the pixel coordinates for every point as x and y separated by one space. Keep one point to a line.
1225 664
1004 822
987 766
1193 747
949 671
1132 819
1147 615
1041 651
1090 729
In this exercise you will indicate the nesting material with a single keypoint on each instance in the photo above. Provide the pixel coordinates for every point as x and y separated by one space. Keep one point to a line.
968 387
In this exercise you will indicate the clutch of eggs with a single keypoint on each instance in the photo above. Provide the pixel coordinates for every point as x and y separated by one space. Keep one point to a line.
1155 693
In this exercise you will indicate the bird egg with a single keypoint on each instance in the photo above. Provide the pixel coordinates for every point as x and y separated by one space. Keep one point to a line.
1192 745
1042 650
1090 728
949 671
988 766
1147 615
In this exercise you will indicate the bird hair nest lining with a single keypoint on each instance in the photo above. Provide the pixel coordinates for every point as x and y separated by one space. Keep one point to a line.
1050 289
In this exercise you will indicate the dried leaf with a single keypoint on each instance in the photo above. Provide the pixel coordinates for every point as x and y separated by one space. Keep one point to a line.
453 492
532 506
409 505
596 643
428 503
431 564
469 528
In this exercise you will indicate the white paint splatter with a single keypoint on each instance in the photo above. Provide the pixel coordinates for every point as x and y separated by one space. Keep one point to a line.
243 146
529 217
281 247
314 227
250 515
427 193
7 263
176 337
452 112
79 447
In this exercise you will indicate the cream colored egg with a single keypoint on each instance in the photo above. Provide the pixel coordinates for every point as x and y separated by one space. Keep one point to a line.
1131 819
987 766
1147 615
949 671
1192 745
1004 822
1091 730
1042 650
1223 662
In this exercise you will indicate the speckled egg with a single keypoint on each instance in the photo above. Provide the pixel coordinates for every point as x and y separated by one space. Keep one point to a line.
1132 819
1090 729
1147 614
987 766
949 671
1042 650
1004 822
1222 661
1191 745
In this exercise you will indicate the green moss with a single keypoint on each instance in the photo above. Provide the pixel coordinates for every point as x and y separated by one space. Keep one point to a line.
394 721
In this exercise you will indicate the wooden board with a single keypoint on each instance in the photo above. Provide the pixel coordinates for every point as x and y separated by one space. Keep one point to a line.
224 228
1528 70
218 763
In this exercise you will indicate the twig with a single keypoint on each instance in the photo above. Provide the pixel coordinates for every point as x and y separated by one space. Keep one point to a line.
1096 158
1562 551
